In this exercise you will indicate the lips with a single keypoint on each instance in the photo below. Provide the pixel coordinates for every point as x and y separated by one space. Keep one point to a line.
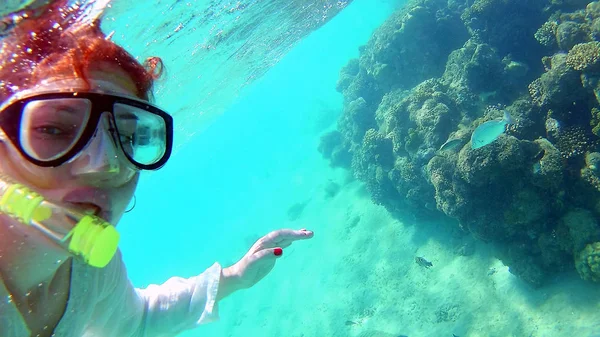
88 208
90 201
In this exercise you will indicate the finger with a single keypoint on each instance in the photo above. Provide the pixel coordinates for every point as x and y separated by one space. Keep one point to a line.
266 255
282 238
288 235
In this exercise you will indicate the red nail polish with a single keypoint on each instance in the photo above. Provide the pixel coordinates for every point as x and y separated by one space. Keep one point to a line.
278 251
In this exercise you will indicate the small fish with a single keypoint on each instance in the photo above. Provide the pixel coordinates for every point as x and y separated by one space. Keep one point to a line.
450 144
351 323
490 131
422 262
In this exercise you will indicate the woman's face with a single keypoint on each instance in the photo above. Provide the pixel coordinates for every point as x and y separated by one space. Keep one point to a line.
99 179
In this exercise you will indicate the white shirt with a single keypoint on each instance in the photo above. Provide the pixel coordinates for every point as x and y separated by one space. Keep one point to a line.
103 303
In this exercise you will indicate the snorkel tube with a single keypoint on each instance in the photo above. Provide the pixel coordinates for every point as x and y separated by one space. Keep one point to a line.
88 237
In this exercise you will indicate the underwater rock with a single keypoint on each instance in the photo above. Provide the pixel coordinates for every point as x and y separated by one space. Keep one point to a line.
527 117
347 74
592 9
548 169
526 212
580 227
470 67
525 265
496 22
362 85
377 149
432 119
591 177
559 87
592 160
419 121
565 29
552 126
360 116
569 33
333 147
512 191
391 113
441 172
494 163
371 161
515 69
587 262
439 30
595 120
408 182
552 255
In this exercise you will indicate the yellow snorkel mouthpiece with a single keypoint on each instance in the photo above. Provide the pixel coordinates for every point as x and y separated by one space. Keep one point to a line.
87 236
95 240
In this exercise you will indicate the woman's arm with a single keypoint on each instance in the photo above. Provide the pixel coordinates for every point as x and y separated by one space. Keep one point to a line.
160 310
228 283
180 304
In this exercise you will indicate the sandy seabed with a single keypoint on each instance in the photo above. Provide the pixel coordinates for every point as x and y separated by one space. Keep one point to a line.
358 277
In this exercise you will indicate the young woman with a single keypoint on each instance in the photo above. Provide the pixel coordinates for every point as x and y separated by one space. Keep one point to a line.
76 126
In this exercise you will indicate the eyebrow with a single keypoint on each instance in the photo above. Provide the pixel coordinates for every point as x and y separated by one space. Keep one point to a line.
128 116
67 108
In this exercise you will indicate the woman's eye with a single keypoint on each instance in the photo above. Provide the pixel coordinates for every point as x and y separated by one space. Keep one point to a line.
127 139
50 130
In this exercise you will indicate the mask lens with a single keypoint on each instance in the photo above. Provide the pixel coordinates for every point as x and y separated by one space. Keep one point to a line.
142 133
51 127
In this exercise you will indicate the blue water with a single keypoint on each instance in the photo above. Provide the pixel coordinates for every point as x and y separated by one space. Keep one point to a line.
234 182
246 154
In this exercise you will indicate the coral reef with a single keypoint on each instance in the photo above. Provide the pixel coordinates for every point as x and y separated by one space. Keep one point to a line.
584 56
588 262
535 190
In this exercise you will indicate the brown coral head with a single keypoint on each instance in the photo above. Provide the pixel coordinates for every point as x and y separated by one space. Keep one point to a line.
584 56
587 262
574 141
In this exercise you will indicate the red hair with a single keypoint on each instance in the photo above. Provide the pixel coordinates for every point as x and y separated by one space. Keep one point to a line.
54 42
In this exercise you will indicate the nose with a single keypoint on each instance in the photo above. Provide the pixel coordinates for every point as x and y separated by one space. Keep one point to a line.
99 163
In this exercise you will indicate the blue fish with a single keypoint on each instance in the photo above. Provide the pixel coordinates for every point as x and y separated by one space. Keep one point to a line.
490 131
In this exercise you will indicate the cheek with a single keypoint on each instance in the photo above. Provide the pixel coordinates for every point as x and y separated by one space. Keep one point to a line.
19 169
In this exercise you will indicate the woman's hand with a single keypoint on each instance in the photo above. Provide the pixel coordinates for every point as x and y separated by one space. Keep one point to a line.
259 260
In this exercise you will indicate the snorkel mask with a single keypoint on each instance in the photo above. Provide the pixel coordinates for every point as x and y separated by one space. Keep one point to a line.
53 128
86 236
